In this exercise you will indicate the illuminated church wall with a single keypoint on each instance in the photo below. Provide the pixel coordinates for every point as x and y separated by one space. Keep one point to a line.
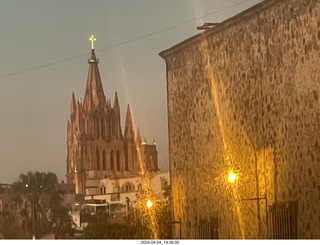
244 96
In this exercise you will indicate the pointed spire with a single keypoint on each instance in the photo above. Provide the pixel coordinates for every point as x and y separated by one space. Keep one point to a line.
77 117
73 107
116 117
79 126
69 131
138 137
116 106
109 104
93 58
94 96
129 129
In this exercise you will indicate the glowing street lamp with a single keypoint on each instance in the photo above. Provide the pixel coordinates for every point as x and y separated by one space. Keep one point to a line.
149 204
231 177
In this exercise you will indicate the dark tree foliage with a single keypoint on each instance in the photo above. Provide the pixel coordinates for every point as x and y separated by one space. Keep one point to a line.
38 203
6 222
107 231
151 222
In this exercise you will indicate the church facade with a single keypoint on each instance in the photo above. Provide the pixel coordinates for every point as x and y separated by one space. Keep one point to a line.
97 148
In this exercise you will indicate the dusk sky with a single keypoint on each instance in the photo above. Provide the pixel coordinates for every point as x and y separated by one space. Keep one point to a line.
44 55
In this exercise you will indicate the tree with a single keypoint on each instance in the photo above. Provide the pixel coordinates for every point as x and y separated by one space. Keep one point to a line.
107 231
6 222
39 203
149 217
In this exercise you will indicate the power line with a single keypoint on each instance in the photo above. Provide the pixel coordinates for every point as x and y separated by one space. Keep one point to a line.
125 42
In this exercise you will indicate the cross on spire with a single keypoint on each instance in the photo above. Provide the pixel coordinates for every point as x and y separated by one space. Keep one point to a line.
92 39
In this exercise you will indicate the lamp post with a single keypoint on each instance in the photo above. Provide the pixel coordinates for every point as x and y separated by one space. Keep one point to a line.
232 177
263 196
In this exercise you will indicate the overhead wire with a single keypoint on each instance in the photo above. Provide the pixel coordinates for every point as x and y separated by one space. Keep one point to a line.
123 43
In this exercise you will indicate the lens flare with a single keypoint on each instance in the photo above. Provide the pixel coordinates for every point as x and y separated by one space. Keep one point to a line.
149 204
231 177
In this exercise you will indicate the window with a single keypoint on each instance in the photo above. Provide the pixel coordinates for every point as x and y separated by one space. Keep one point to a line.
282 221
126 167
102 128
97 127
118 161
98 159
104 160
111 161
109 128
207 230
128 187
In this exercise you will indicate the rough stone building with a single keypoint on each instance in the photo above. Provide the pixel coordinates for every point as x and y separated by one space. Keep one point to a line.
97 149
243 97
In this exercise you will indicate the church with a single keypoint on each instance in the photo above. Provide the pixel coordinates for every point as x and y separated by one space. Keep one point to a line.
97 148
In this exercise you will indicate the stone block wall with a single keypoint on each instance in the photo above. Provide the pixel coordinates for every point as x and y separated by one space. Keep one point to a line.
244 96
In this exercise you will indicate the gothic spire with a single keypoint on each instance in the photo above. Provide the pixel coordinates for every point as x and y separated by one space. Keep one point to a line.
129 129
78 116
94 97
109 104
73 107
116 116
116 106
138 137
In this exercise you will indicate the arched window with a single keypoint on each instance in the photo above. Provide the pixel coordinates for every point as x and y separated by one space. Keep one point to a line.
126 164
102 128
98 160
111 161
118 161
86 126
109 128
104 160
128 187
96 122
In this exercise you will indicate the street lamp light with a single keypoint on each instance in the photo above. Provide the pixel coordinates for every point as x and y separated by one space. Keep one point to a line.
231 177
149 204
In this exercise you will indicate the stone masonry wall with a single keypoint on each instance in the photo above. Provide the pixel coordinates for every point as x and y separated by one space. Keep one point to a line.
244 96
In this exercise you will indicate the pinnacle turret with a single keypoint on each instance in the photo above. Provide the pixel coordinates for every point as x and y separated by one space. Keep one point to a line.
73 107
138 137
129 128
116 106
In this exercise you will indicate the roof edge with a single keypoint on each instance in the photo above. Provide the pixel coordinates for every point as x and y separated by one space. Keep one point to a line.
223 25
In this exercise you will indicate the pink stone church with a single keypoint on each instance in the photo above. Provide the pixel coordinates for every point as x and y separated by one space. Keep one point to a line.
97 148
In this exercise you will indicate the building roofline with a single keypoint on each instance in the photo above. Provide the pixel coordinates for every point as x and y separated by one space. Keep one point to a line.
244 15
8 185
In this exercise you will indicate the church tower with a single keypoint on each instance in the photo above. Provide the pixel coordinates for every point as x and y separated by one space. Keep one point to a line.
97 148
